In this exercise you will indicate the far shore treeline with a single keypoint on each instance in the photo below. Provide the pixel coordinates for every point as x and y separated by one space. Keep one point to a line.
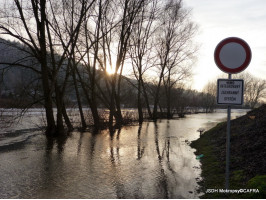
62 54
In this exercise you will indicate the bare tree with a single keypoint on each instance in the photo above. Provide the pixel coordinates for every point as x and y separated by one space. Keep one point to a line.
140 50
46 37
174 49
15 23
117 25
254 89
209 93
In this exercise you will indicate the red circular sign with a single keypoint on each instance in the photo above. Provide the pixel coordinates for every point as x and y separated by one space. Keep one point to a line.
232 55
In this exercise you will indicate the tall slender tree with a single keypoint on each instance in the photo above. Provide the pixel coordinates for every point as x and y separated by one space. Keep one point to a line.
140 50
174 49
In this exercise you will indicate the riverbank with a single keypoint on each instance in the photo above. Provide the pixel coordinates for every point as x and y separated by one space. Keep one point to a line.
248 157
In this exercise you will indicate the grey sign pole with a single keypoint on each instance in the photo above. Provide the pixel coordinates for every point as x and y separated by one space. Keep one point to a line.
227 170
232 55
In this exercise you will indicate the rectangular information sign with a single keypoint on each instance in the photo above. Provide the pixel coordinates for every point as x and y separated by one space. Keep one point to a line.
230 91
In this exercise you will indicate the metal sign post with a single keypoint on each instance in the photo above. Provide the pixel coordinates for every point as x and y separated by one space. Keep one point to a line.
228 136
232 55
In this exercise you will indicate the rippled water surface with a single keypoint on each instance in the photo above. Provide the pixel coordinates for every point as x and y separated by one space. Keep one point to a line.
149 161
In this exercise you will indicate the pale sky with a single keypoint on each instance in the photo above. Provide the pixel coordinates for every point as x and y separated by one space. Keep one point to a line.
219 19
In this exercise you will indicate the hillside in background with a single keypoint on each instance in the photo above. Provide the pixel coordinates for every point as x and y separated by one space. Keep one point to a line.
17 82
12 76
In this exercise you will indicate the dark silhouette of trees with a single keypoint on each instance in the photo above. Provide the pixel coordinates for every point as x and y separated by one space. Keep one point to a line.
73 43
254 89
39 26
173 49
140 50
209 93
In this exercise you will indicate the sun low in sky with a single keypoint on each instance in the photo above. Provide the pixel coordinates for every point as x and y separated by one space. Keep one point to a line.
218 20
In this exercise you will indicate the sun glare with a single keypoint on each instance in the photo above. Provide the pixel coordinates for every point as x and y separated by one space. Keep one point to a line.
110 69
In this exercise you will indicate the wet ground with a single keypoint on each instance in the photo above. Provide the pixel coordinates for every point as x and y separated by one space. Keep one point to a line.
149 161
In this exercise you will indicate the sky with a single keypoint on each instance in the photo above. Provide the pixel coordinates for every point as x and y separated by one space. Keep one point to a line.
219 19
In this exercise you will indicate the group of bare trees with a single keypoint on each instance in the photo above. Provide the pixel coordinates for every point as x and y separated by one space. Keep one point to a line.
254 91
75 42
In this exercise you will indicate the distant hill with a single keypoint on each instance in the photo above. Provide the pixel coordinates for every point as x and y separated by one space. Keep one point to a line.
14 77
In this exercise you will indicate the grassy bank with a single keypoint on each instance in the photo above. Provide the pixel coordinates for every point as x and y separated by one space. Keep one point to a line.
248 156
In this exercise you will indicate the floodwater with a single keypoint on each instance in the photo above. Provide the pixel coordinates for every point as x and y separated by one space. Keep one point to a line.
149 161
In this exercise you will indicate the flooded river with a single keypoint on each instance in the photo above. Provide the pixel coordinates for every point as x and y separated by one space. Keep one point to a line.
149 161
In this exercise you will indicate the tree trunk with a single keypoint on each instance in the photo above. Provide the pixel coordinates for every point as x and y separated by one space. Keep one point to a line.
82 118
140 103
156 100
95 115
48 104
169 115
59 116
112 102
146 98
111 113
118 112
66 118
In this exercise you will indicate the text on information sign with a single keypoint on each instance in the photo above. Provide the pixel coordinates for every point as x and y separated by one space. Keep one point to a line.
230 91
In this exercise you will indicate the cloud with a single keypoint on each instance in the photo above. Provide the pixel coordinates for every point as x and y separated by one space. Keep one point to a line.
220 19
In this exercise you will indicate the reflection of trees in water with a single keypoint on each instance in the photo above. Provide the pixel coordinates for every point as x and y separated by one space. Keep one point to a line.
140 150
80 142
114 151
94 133
115 162
53 165
59 141
168 147
164 182
140 141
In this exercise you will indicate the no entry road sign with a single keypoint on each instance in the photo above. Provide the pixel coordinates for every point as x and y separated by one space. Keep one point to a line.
230 91
232 55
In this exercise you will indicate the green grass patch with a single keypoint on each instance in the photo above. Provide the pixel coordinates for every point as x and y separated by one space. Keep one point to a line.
213 168
212 172
257 182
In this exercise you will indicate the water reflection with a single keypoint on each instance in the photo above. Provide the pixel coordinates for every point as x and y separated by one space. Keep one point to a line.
140 141
114 146
58 141
152 160
162 179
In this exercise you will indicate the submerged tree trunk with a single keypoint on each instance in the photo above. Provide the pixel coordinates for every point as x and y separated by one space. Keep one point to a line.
139 102
66 118
156 100
112 106
48 104
59 116
168 101
118 112
146 99
82 118
95 114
